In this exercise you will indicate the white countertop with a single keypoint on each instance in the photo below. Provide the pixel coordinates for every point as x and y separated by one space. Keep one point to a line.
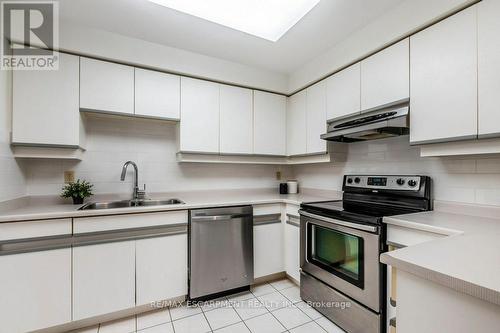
39 208
466 259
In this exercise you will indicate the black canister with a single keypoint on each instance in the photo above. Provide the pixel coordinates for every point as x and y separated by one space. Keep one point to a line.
283 188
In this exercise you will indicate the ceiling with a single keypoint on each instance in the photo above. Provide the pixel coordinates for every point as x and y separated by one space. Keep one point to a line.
327 24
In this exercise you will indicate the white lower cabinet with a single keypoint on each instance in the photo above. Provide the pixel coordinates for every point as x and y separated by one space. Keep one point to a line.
103 278
161 268
267 249
35 290
292 248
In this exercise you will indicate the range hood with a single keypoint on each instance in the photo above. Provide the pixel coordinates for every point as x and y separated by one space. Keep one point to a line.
382 122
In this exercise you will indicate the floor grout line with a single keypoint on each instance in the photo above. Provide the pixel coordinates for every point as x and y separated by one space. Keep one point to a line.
171 321
230 304
248 328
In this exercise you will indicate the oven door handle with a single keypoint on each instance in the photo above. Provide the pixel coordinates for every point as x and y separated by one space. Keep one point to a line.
363 227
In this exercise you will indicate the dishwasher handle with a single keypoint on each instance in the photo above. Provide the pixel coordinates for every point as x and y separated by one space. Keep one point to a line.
226 217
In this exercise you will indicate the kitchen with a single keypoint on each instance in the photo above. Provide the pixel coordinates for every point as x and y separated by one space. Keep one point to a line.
284 182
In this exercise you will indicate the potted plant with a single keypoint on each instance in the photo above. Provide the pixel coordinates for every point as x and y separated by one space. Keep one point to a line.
78 190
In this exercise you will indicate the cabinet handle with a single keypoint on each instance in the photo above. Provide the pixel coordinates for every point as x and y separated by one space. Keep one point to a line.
66 241
266 219
218 217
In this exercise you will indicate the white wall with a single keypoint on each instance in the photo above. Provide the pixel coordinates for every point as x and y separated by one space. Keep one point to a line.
467 180
116 47
153 145
12 184
403 20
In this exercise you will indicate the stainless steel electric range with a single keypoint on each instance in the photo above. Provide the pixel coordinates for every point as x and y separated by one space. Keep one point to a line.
340 245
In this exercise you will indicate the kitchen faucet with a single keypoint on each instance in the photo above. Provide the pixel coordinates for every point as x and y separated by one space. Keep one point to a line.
137 194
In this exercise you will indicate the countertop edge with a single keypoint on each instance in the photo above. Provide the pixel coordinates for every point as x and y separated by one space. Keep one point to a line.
462 286
422 227
136 210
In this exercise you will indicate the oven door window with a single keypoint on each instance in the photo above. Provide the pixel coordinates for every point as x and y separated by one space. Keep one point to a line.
336 252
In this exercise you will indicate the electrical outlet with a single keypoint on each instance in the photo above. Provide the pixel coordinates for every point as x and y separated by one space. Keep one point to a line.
278 175
69 177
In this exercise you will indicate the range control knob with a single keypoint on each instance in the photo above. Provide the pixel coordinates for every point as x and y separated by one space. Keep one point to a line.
357 180
400 181
412 183
349 180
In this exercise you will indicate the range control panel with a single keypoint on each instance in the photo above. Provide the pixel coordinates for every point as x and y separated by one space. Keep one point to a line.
400 183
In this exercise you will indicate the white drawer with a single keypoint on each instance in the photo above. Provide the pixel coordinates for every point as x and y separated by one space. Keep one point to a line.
128 221
406 236
266 209
33 229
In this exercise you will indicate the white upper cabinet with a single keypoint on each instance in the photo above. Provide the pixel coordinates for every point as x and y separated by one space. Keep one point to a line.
199 127
443 74
269 132
343 92
489 68
385 76
157 94
106 86
45 105
316 118
296 124
236 120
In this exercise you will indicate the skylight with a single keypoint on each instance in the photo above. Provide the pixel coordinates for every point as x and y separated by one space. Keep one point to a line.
268 19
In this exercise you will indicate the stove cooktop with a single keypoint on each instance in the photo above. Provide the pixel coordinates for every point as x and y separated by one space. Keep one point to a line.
367 199
359 212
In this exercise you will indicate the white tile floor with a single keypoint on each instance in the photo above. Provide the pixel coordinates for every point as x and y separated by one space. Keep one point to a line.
268 308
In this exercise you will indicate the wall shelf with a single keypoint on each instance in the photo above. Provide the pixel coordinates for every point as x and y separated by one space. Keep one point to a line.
48 152
184 157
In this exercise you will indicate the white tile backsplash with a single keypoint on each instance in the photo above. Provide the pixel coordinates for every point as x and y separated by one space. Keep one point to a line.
153 146
460 179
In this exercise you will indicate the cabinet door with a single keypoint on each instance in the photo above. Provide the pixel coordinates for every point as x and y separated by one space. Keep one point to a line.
199 128
45 105
267 249
106 86
236 120
489 67
35 289
385 76
443 75
343 92
292 258
269 132
316 118
157 94
103 278
296 124
161 268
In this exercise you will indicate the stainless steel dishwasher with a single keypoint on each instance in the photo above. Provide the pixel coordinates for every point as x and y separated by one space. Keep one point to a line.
220 251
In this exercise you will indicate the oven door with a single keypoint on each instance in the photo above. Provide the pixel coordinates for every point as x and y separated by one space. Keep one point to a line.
343 255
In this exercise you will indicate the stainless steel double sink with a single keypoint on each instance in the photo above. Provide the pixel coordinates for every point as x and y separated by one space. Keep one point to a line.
129 203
